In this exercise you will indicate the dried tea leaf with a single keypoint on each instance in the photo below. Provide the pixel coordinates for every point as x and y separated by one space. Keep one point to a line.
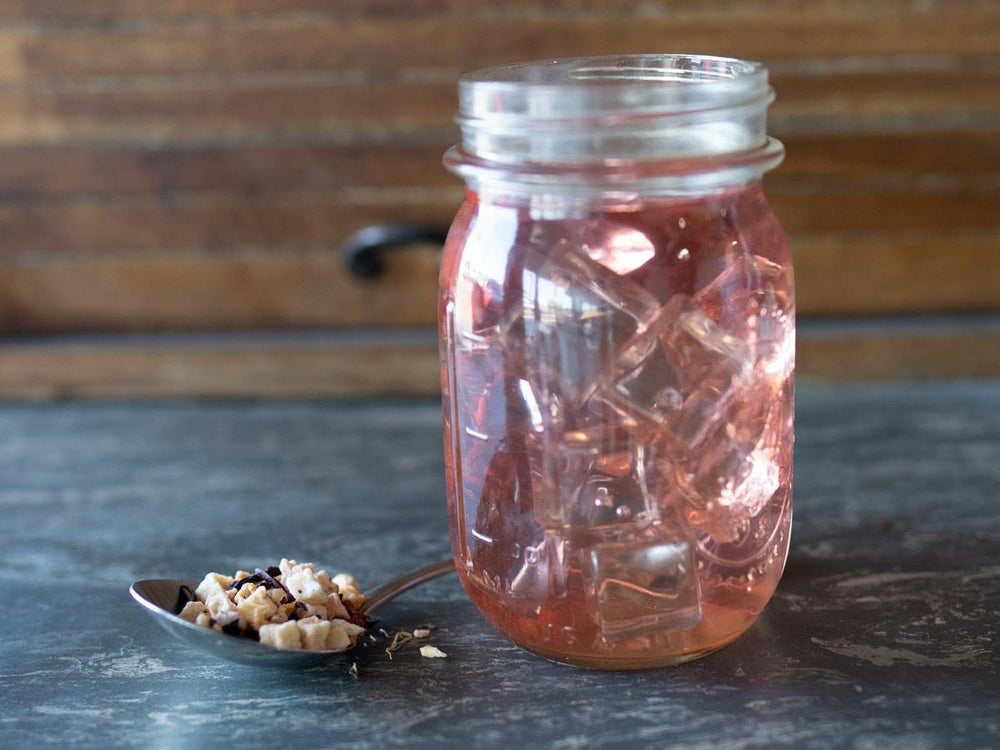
398 641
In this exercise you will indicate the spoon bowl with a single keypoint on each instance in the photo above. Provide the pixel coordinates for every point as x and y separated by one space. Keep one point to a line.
164 598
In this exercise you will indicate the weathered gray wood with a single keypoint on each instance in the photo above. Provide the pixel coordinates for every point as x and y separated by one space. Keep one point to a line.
884 632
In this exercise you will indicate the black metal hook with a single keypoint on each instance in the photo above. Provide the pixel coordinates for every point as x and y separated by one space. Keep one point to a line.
362 251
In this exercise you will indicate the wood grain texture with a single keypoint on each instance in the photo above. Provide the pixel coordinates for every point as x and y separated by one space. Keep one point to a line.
210 222
89 13
860 274
204 110
372 47
194 291
358 366
193 165
290 218
36 174
217 369
911 273
311 106
103 13
942 355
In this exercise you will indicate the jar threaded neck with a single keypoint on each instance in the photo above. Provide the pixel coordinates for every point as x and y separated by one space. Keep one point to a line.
644 118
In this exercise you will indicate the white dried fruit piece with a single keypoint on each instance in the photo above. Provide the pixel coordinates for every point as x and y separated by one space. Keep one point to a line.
349 627
432 652
192 610
346 582
324 578
349 591
211 584
222 609
315 633
257 609
316 610
335 607
305 587
338 639
286 635
421 633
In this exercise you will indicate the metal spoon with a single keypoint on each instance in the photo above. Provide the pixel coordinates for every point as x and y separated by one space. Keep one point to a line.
163 599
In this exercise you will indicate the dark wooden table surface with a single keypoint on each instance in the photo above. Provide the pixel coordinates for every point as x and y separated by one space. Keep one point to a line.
885 631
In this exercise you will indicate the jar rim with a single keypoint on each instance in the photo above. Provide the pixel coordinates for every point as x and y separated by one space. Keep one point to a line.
609 68
616 111
611 86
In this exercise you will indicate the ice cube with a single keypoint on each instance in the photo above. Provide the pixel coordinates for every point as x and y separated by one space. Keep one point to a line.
543 572
731 478
607 503
751 300
622 249
754 538
759 483
728 477
775 338
479 375
576 315
676 377
560 463
639 589
589 479
493 402
725 515
647 392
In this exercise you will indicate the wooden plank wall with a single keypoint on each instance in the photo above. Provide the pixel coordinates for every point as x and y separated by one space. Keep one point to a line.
177 173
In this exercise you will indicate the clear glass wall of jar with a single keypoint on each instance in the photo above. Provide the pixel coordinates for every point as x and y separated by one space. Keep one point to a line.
617 337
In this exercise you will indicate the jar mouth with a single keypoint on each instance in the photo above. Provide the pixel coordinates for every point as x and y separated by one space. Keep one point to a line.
591 87
624 108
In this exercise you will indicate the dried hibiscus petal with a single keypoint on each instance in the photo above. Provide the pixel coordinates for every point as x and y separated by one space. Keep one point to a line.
270 581
184 595
237 585
360 619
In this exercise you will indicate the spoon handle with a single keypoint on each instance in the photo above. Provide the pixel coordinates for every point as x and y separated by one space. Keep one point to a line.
380 595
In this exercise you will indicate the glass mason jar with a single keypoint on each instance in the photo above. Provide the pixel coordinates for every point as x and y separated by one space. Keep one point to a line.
617 339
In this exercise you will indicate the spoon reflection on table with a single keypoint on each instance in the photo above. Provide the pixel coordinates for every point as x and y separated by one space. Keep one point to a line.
164 598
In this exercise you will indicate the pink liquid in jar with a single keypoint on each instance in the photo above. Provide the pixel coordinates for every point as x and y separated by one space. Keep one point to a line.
617 380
